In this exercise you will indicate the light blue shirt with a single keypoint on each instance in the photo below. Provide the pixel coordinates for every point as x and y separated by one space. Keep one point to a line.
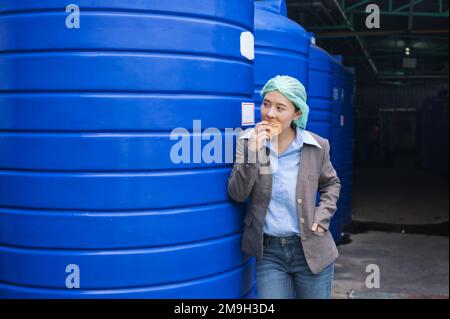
281 218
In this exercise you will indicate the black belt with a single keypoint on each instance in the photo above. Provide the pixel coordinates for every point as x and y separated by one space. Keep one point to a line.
281 240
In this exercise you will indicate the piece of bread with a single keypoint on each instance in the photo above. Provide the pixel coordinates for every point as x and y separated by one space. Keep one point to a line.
275 127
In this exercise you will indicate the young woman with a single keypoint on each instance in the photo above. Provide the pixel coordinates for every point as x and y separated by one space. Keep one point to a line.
281 166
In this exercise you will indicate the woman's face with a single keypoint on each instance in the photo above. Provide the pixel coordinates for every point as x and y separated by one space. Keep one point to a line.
276 106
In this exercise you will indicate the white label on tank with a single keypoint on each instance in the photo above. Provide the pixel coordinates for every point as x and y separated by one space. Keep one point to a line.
342 120
248 114
335 94
248 45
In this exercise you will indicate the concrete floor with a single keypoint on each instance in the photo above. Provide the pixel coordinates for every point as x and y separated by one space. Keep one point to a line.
412 265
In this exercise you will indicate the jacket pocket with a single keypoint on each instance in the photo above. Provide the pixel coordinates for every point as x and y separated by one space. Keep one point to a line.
319 234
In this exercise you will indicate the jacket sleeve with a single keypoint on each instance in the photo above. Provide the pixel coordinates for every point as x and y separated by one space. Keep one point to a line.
329 189
244 173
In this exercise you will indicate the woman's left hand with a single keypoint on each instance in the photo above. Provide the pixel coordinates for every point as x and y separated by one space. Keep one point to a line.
317 228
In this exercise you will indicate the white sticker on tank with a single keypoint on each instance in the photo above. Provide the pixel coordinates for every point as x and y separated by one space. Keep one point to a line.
248 114
342 120
248 45
335 94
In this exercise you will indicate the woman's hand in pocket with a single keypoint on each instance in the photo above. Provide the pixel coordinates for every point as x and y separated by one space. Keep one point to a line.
317 228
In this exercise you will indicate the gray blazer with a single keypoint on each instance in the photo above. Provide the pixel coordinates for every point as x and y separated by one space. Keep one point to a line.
249 178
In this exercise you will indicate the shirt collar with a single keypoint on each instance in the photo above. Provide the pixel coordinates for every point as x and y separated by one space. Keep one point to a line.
299 140
308 138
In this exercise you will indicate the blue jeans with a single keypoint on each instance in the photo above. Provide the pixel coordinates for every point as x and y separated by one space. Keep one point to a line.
282 272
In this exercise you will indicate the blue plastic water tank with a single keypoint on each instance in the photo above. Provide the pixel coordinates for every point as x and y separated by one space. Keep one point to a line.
320 92
347 174
86 176
320 101
337 138
281 47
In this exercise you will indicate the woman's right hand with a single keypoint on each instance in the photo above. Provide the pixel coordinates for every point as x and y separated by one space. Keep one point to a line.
259 135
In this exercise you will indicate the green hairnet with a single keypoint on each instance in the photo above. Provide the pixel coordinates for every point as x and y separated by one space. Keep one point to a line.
292 89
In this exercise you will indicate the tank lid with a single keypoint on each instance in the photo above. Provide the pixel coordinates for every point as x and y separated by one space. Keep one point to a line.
277 6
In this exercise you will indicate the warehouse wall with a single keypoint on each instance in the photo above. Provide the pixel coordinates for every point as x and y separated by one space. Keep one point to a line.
395 97
400 126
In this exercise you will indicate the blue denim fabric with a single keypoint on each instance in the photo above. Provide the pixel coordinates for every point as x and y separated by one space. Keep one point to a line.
282 272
